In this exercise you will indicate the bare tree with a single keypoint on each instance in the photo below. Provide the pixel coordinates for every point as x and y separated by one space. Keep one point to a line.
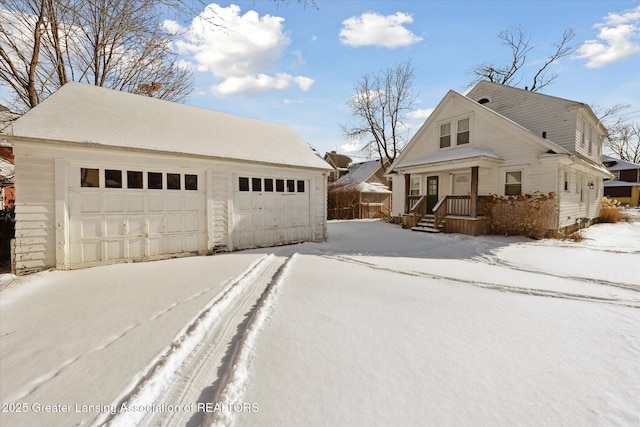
510 74
378 107
624 141
118 44
623 135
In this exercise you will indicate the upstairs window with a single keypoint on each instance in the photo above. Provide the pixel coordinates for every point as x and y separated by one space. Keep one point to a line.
445 135
513 183
463 132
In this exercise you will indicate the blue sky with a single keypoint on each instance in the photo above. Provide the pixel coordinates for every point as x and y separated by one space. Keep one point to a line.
298 65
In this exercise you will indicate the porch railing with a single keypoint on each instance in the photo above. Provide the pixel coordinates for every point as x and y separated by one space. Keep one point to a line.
458 206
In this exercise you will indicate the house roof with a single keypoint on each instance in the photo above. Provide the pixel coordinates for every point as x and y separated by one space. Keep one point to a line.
361 172
358 175
338 161
81 113
618 164
454 154
616 183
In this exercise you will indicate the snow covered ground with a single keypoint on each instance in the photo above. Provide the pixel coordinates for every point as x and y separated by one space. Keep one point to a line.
377 326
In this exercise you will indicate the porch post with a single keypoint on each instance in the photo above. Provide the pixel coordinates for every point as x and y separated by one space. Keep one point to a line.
407 191
474 192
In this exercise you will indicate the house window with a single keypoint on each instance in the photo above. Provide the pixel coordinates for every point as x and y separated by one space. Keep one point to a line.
415 186
300 185
89 177
190 182
134 179
590 141
445 135
463 132
112 178
268 184
280 185
566 181
513 183
256 184
616 175
582 132
154 180
243 183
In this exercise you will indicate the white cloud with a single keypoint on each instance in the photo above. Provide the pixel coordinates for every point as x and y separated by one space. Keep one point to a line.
351 147
421 114
242 51
372 29
251 85
618 38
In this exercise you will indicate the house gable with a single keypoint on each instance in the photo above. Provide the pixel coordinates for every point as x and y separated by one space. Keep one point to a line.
490 134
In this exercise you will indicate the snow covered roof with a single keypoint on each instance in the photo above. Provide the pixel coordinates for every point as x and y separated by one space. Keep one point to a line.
617 164
455 154
360 172
81 113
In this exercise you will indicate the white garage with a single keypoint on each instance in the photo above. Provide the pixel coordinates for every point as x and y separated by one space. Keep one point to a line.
104 176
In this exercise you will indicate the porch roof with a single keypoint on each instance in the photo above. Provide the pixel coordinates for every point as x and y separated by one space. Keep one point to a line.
458 157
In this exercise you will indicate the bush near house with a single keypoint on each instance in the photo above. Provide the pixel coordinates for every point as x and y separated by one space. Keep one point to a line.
532 215
610 211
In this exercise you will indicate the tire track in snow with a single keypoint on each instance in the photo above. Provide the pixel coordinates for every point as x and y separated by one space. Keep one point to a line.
494 260
233 385
496 287
170 374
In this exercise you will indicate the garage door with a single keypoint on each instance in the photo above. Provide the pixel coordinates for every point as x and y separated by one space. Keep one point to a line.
125 215
270 211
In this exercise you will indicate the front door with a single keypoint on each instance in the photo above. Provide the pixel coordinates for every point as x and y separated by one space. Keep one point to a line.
432 193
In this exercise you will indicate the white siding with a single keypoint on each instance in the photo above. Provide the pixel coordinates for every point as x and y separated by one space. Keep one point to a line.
35 211
397 201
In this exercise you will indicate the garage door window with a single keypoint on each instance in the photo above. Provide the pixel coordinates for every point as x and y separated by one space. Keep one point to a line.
256 184
280 185
134 179
112 178
300 186
154 180
268 184
191 182
89 177
243 183
173 181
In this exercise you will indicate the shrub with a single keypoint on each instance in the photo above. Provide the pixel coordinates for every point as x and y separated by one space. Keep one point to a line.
610 211
531 215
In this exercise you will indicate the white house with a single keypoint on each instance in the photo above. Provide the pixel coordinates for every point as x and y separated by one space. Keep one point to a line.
500 140
105 176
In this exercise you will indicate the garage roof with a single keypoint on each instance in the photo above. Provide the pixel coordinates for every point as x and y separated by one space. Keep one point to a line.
83 113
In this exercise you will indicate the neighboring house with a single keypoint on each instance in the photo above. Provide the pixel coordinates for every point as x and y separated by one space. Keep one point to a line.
362 193
105 176
340 164
499 140
625 185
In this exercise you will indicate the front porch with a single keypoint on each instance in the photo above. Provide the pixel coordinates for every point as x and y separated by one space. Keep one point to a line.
452 214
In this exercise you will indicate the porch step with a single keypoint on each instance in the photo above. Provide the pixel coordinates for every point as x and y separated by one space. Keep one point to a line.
427 224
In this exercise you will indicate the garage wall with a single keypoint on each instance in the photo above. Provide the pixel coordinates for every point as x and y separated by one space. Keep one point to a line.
35 248
43 172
